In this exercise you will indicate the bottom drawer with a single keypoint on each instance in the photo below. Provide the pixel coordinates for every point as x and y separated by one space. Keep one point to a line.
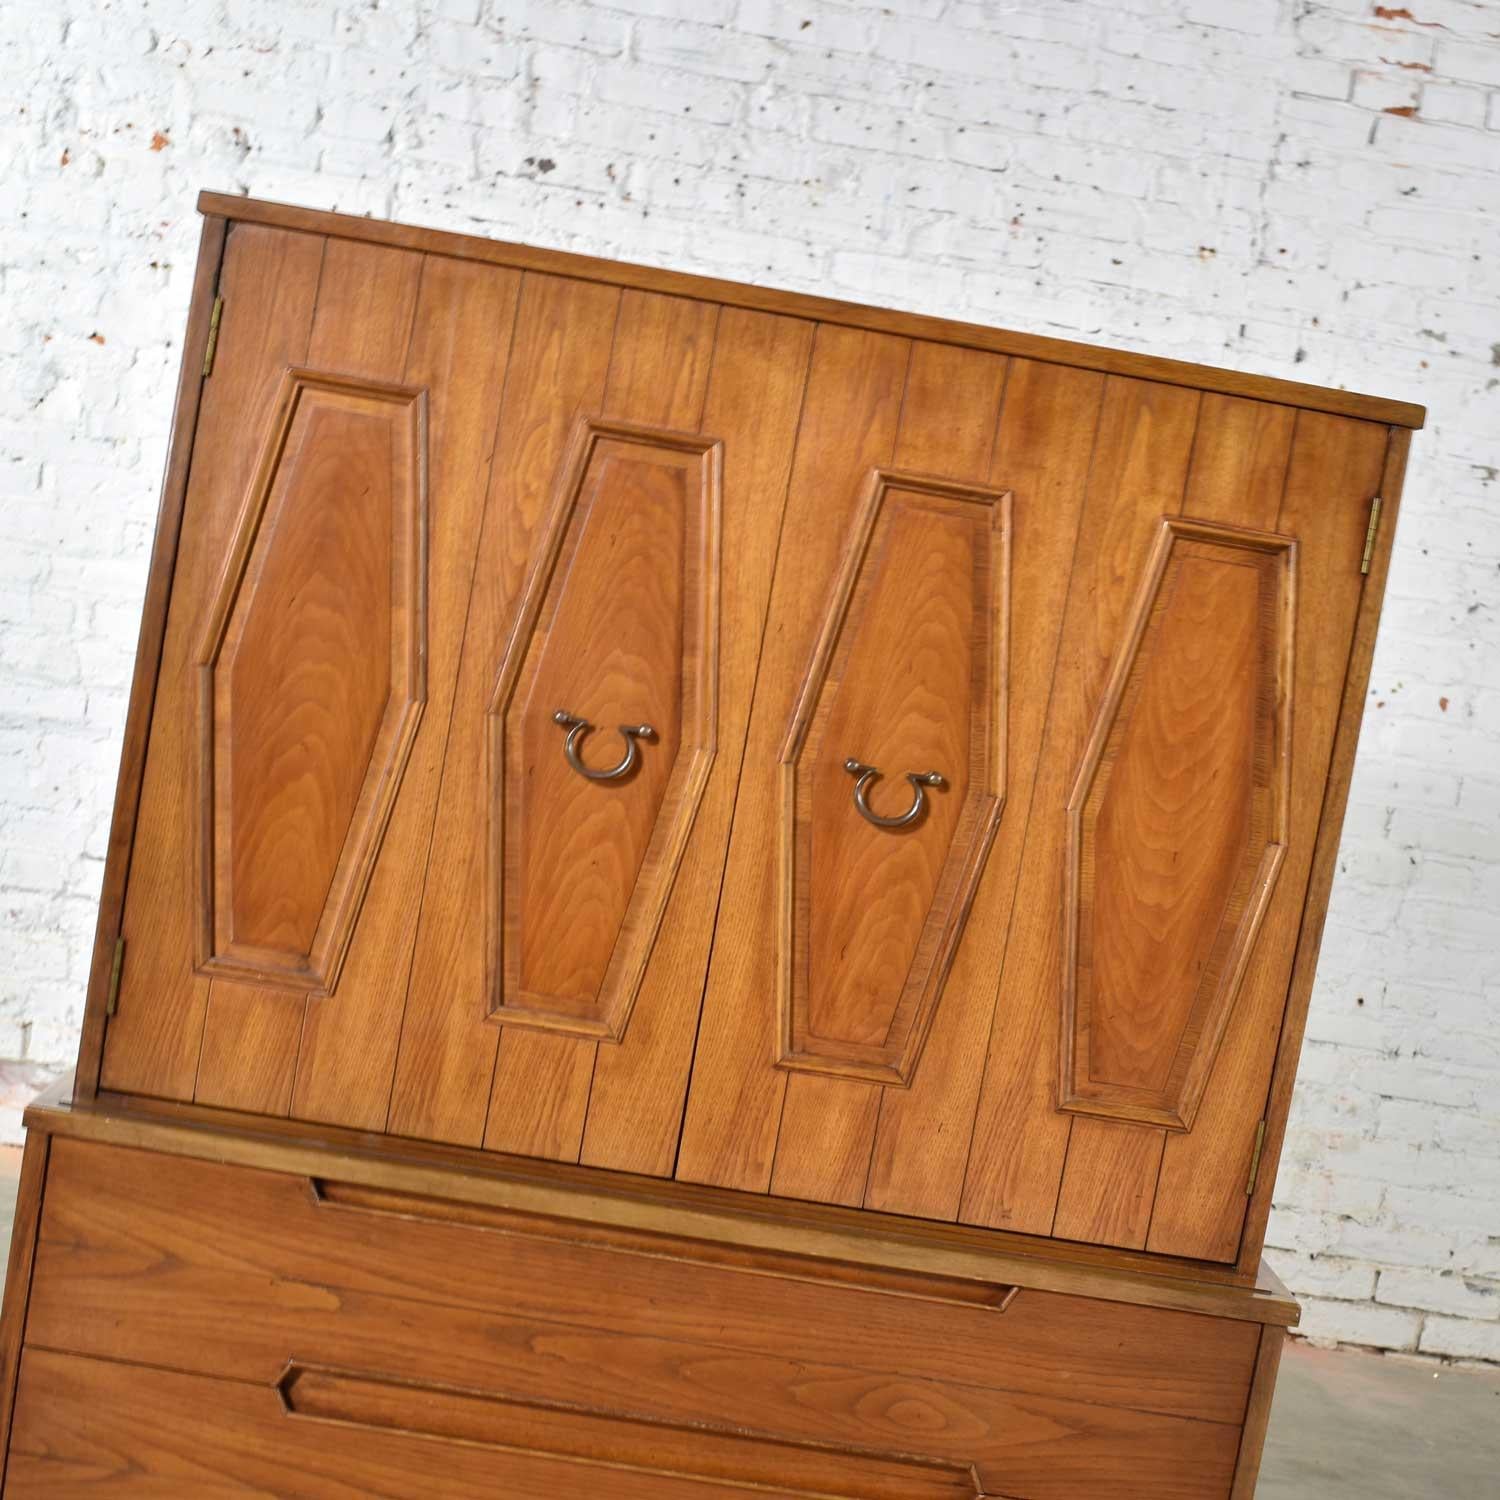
95 1427
203 1329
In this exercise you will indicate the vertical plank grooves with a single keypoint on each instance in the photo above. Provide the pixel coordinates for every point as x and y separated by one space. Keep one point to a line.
1336 465
732 1123
442 757
445 1055
1031 800
696 426
416 303
662 353
1149 429
155 1041
760 641
499 1039
994 478
1100 1160
831 1089
253 1031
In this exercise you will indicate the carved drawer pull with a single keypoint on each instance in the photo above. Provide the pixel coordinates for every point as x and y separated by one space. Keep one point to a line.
866 774
577 728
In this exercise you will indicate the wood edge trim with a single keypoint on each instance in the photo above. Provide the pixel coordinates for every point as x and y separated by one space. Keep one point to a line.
361 1198
819 309
748 1221
150 643
1257 1413
215 952
23 1241
329 1383
1325 854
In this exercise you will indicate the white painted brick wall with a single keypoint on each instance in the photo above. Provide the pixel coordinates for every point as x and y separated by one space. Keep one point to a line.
1305 189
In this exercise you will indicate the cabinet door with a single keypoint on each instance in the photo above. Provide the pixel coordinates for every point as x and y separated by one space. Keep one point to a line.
461 636
1088 1055
307 661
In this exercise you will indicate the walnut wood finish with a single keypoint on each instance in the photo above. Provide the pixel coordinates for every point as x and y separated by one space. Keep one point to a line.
917 1068
869 1243
1177 823
460 351
245 1277
23 1232
312 678
92 1426
753 403
619 622
269 280
662 357
1257 1413
693 1131
909 673
822 309
443 1055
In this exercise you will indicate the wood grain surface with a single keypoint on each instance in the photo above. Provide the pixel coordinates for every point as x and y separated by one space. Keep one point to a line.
269 282
832 1012
1177 824
619 625
459 354
910 675
1062 352
662 353
230 1274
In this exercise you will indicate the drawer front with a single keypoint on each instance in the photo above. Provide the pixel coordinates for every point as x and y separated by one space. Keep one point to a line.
89 1427
293 1302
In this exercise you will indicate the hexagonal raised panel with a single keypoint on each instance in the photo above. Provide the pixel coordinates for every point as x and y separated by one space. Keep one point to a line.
893 777
602 726
311 679
1177 824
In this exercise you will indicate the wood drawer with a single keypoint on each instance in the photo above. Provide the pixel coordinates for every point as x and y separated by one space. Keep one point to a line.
263 1306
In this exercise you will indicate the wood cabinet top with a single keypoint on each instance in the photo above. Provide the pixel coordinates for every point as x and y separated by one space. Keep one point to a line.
823 309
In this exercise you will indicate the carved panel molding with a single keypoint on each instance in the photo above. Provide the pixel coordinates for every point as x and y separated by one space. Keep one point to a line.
893 776
311 679
602 726
1177 824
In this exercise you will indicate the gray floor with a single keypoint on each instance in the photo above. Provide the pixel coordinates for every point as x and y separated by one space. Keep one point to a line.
1346 1425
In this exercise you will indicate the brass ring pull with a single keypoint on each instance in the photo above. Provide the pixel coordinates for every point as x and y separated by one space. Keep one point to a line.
920 781
577 728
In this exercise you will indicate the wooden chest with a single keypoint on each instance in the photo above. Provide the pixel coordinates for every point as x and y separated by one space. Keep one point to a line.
860 791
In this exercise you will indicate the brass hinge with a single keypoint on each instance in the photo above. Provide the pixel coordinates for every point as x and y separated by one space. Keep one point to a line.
1371 531
213 337
1260 1140
112 1004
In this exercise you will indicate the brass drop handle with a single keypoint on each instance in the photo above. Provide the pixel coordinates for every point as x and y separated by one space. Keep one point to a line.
864 775
577 728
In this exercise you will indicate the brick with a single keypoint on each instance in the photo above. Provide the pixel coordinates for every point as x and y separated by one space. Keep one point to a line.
1325 1321
1469 62
1387 90
1453 104
1324 1276
1441 1292
1461 1338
